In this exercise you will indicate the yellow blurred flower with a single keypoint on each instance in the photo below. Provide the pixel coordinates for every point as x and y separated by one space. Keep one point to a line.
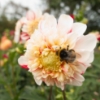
1 63
27 24
5 43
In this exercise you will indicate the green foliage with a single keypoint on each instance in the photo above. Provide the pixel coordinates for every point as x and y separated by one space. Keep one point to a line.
33 93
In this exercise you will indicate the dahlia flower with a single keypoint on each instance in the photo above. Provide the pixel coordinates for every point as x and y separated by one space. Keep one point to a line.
27 24
5 43
58 53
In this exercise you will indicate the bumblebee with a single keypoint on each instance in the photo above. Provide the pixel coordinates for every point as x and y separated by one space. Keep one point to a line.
67 55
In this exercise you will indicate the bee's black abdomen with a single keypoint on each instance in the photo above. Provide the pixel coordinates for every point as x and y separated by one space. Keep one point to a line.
68 56
63 54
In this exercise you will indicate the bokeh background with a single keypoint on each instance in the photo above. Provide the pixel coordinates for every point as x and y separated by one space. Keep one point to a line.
17 83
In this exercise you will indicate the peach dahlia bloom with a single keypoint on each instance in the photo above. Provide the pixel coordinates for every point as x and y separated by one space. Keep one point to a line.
5 43
51 37
27 24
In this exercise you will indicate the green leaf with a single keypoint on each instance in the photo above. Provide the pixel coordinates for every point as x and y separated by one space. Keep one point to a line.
31 93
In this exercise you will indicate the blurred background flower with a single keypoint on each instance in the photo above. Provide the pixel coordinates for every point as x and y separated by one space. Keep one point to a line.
5 43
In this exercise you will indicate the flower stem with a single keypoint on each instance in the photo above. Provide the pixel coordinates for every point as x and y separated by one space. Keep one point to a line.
50 93
64 95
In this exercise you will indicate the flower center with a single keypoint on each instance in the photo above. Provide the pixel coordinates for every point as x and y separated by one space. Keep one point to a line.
32 26
51 61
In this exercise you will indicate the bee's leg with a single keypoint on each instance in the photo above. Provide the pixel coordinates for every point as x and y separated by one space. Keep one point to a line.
71 50
67 47
66 61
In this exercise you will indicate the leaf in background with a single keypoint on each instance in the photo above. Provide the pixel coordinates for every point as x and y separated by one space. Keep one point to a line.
97 60
31 93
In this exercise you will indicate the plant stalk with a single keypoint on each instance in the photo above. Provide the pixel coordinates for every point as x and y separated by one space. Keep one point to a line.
50 94
64 95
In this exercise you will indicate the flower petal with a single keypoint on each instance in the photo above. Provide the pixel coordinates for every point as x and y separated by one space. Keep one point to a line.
48 24
38 81
49 81
59 85
82 67
34 67
87 42
60 77
78 29
65 23
18 28
65 68
37 73
30 15
79 77
84 56
23 60
24 28
75 82
91 57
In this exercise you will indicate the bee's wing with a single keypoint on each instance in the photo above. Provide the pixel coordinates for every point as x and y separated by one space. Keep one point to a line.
78 55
